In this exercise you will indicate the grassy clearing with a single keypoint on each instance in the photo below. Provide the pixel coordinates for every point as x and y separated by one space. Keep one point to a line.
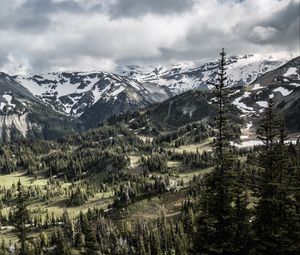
100 200
174 164
189 175
96 202
9 179
150 208
134 160
204 146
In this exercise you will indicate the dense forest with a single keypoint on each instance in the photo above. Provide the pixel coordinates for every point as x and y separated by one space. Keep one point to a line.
231 200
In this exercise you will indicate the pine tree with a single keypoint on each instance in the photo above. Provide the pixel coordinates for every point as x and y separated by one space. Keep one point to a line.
21 217
90 241
68 228
242 228
141 246
275 212
214 233
62 246
3 248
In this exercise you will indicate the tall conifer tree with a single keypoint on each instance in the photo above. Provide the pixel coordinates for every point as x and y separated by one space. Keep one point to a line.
21 218
214 233
275 217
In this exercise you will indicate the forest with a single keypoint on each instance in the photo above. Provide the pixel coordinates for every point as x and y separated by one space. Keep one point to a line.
132 187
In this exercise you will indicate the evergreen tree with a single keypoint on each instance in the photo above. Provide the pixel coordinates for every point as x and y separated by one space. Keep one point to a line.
3 248
275 217
90 241
242 228
62 246
215 226
68 227
21 218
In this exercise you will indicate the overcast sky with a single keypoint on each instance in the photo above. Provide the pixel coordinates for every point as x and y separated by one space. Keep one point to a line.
53 35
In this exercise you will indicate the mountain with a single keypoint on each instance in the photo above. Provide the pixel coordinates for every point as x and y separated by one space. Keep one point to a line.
193 107
49 105
182 77
248 102
23 115
281 84
72 93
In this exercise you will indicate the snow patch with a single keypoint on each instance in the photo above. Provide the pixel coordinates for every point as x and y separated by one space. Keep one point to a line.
295 84
262 104
249 143
242 106
249 125
117 91
291 71
257 86
283 91
8 98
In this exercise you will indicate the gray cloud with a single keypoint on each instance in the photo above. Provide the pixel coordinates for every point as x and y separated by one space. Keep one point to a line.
136 8
35 15
49 35
280 29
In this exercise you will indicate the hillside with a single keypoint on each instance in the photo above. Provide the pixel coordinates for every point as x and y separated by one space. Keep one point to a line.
282 85
23 115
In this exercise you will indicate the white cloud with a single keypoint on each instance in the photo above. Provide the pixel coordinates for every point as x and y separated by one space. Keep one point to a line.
262 34
16 64
46 35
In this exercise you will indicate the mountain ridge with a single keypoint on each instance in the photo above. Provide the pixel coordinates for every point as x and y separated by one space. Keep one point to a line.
85 99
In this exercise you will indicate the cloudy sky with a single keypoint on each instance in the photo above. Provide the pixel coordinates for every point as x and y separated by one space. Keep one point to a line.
52 35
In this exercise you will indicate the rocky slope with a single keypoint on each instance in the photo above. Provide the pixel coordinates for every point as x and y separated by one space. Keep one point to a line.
23 115
72 93
281 84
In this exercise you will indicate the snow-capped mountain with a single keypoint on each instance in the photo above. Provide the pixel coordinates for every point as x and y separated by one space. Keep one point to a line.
182 77
74 92
247 102
281 84
23 115
47 105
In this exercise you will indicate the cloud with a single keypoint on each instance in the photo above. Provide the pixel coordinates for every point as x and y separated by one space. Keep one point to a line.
262 34
137 8
280 29
49 35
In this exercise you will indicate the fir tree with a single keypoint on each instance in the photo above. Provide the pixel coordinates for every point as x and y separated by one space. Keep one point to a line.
90 241
62 246
21 217
242 228
3 248
275 212
215 226
68 227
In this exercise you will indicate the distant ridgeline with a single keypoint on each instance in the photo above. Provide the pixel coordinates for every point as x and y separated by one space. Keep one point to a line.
49 106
